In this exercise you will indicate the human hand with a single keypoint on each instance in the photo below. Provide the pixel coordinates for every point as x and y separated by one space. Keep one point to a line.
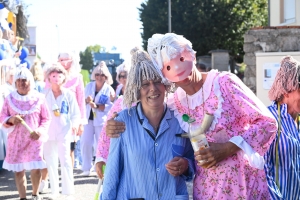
215 153
17 119
114 128
112 97
17 54
80 130
99 166
177 166
74 130
35 135
89 99
101 107
93 105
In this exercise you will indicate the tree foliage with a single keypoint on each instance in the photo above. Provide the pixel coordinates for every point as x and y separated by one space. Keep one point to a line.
86 57
208 24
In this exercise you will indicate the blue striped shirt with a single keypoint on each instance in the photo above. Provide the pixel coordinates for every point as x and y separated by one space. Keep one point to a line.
289 158
136 161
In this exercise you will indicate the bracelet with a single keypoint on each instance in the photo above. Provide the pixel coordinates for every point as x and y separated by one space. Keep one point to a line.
9 123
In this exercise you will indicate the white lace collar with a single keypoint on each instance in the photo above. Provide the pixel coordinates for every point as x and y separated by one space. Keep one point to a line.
196 99
31 96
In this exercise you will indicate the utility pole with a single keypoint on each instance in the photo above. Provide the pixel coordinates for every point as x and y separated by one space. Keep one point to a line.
169 16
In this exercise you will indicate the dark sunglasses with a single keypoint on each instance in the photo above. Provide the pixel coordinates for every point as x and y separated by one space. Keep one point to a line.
120 76
100 75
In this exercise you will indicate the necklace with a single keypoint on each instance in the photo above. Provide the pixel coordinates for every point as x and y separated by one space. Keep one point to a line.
187 100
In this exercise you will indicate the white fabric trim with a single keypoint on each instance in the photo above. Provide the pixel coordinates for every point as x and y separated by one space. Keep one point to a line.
31 96
9 129
218 112
24 166
255 160
196 100
100 159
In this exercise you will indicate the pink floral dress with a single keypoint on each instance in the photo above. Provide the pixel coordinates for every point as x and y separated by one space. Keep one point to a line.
237 112
24 153
104 141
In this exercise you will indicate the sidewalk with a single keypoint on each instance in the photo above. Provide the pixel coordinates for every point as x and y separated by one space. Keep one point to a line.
85 187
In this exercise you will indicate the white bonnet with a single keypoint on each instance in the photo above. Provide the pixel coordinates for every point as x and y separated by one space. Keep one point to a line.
24 73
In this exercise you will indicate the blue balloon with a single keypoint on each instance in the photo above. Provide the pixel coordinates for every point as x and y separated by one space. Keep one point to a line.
28 64
24 53
2 54
1 6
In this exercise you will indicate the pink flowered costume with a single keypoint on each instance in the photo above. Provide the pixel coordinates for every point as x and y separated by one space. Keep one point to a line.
104 141
24 153
240 115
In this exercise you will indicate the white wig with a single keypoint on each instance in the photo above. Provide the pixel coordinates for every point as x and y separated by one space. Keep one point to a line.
102 69
75 67
124 67
24 73
174 45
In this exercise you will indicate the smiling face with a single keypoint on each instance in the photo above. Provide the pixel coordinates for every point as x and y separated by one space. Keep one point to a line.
177 69
123 78
23 86
152 94
56 78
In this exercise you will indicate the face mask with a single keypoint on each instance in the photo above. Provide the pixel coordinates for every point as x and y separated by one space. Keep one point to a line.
56 78
176 69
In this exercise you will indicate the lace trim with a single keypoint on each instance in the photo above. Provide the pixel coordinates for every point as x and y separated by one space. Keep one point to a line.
33 96
196 99
212 80
219 110
24 166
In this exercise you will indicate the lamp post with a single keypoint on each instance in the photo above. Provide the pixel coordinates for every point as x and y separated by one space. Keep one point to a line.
169 16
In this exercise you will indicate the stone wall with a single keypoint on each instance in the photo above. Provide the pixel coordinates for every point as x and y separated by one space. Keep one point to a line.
271 39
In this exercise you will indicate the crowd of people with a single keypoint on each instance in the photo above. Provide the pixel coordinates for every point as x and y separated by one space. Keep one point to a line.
137 130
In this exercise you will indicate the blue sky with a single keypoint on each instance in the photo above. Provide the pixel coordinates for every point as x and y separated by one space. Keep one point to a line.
76 24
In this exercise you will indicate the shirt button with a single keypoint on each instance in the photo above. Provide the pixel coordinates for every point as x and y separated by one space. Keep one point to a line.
156 144
157 169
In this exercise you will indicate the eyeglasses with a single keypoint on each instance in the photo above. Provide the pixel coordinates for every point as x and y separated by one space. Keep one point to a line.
146 85
120 76
100 75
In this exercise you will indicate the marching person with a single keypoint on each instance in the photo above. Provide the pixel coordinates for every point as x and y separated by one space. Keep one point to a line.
148 161
283 157
98 103
25 145
65 121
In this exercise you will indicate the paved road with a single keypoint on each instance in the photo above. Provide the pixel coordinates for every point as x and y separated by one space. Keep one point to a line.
85 187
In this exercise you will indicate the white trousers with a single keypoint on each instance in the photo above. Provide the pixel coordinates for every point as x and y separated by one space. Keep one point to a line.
52 151
88 144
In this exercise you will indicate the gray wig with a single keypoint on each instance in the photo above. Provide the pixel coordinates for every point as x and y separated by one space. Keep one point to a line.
142 68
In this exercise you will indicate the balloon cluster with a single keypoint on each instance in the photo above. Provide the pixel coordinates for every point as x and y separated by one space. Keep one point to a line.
23 55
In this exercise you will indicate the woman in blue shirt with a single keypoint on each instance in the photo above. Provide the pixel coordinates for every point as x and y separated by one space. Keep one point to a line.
149 161
283 158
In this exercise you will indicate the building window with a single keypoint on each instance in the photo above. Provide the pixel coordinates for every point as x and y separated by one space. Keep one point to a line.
287 11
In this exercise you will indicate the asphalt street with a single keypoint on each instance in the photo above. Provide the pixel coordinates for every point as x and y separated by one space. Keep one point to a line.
85 187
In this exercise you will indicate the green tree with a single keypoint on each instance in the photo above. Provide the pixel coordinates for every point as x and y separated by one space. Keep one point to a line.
86 57
208 24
